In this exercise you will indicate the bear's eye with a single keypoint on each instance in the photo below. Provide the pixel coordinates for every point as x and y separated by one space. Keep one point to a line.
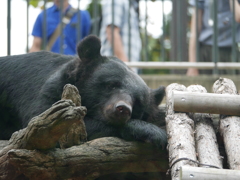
114 85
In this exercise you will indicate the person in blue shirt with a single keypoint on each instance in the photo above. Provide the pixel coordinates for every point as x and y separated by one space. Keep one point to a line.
205 29
70 33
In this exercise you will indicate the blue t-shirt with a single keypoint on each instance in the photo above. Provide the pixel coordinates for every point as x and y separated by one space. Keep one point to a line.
224 18
70 31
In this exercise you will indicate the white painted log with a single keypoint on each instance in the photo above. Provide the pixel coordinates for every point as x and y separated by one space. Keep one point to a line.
227 104
229 125
205 136
180 131
184 65
198 173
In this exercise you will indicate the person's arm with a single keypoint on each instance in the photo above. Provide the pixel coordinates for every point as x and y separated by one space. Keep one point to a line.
36 46
118 44
192 41
237 9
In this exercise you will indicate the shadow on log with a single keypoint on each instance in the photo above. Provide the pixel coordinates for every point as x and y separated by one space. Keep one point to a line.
90 160
32 153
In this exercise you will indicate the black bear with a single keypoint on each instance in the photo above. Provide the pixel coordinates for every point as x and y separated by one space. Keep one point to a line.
118 101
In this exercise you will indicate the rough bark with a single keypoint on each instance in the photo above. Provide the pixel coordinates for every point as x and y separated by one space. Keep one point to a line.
90 160
43 132
77 132
180 131
229 125
205 136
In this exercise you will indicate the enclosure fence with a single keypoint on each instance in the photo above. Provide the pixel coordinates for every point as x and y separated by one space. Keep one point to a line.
168 50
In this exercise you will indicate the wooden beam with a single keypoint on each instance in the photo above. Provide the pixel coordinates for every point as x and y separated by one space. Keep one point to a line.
198 173
207 103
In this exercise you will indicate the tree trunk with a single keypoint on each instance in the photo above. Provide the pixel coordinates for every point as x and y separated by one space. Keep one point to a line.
90 160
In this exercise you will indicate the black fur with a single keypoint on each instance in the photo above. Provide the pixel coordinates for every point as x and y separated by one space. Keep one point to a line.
118 101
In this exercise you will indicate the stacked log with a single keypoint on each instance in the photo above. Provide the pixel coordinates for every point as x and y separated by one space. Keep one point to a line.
205 136
180 131
229 125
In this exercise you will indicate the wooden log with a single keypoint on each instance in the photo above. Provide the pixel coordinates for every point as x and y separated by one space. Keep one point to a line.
3 144
77 133
207 103
229 125
205 136
198 173
180 131
42 133
90 160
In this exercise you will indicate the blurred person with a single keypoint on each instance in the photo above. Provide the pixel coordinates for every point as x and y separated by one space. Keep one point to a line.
205 37
70 39
127 44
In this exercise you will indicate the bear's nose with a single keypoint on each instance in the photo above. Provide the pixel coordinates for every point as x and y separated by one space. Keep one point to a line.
123 109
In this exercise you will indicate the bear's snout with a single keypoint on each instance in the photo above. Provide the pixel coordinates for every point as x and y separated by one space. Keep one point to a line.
123 109
119 112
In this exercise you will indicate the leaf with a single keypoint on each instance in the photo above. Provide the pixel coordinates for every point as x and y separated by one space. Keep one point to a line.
34 3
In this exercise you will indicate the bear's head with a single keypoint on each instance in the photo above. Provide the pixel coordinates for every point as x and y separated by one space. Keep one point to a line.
110 90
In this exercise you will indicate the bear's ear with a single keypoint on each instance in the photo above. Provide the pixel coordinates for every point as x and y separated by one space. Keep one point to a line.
158 95
89 48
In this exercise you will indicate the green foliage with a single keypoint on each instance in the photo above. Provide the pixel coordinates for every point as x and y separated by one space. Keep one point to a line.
34 3
91 7
157 49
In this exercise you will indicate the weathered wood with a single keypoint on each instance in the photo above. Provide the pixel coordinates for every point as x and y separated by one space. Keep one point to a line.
180 131
77 132
205 136
169 96
229 125
42 133
3 144
90 160
207 103
198 173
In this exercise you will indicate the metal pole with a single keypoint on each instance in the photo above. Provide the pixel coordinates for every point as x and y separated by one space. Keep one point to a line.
215 35
27 48
112 27
145 30
163 35
129 30
44 27
179 32
95 16
234 50
197 32
79 33
234 57
9 27
61 27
